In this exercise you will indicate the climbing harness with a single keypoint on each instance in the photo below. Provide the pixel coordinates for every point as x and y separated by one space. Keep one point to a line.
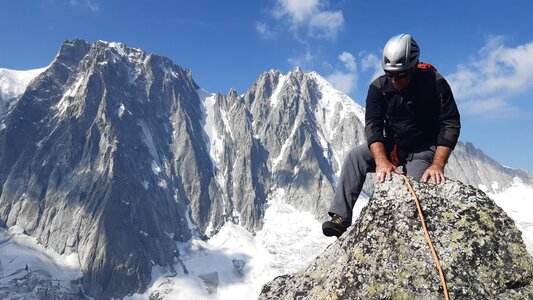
428 239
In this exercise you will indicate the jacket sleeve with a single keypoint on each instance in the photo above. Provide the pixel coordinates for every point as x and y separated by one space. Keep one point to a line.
375 114
449 120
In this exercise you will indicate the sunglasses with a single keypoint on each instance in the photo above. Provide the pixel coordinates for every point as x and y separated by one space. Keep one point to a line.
397 75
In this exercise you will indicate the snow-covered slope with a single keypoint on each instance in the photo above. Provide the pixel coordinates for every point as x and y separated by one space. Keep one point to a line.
517 201
234 264
13 83
30 271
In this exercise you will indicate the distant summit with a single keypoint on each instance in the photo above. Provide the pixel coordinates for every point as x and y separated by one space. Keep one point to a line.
87 164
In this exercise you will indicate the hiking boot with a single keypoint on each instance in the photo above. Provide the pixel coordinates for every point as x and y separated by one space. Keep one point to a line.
336 227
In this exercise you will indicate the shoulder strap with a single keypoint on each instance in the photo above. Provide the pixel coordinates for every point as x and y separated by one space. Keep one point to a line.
429 67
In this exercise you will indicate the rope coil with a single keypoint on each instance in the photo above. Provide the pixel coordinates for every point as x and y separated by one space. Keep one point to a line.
428 239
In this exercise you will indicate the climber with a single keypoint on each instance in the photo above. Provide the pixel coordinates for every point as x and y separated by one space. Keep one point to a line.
411 121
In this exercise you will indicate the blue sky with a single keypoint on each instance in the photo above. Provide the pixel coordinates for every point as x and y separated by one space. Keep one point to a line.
483 48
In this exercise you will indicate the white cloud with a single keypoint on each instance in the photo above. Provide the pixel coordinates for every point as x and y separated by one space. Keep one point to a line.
304 61
311 15
91 4
345 82
348 60
326 24
298 10
371 62
492 77
488 108
265 31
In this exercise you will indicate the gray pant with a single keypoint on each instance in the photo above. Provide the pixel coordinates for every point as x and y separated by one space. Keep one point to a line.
357 164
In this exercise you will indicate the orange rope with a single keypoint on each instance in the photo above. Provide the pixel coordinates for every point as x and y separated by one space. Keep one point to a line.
428 239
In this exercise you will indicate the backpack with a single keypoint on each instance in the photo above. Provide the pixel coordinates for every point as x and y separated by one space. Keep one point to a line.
426 66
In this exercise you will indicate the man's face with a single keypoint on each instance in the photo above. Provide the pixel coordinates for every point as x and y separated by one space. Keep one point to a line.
400 80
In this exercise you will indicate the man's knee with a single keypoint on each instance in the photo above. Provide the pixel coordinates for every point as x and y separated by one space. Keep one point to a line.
416 170
359 160
360 153
419 163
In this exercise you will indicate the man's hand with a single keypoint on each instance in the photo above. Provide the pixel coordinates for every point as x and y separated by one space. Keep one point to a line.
435 171
384 170
384 167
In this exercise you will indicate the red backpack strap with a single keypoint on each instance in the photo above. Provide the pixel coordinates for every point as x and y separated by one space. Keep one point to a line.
426 66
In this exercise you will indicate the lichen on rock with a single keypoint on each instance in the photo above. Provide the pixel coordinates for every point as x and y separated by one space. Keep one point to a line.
384 255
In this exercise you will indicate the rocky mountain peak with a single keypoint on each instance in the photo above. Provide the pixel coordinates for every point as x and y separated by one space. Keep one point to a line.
104 167
297 70
71 52
232 93
471 165
385 255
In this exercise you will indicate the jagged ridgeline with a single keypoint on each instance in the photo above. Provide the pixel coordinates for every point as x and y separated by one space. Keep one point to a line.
385 255
117 155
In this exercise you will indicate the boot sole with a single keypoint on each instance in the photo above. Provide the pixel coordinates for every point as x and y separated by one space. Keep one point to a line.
332 231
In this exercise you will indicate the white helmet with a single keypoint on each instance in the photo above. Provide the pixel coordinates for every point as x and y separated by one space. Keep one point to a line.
400 53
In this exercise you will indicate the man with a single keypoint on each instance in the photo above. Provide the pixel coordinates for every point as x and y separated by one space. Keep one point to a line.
411 120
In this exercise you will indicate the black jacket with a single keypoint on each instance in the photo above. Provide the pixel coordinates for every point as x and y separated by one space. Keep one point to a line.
422 114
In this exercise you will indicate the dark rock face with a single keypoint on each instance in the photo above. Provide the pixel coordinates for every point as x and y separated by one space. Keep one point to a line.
98 157
384 255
